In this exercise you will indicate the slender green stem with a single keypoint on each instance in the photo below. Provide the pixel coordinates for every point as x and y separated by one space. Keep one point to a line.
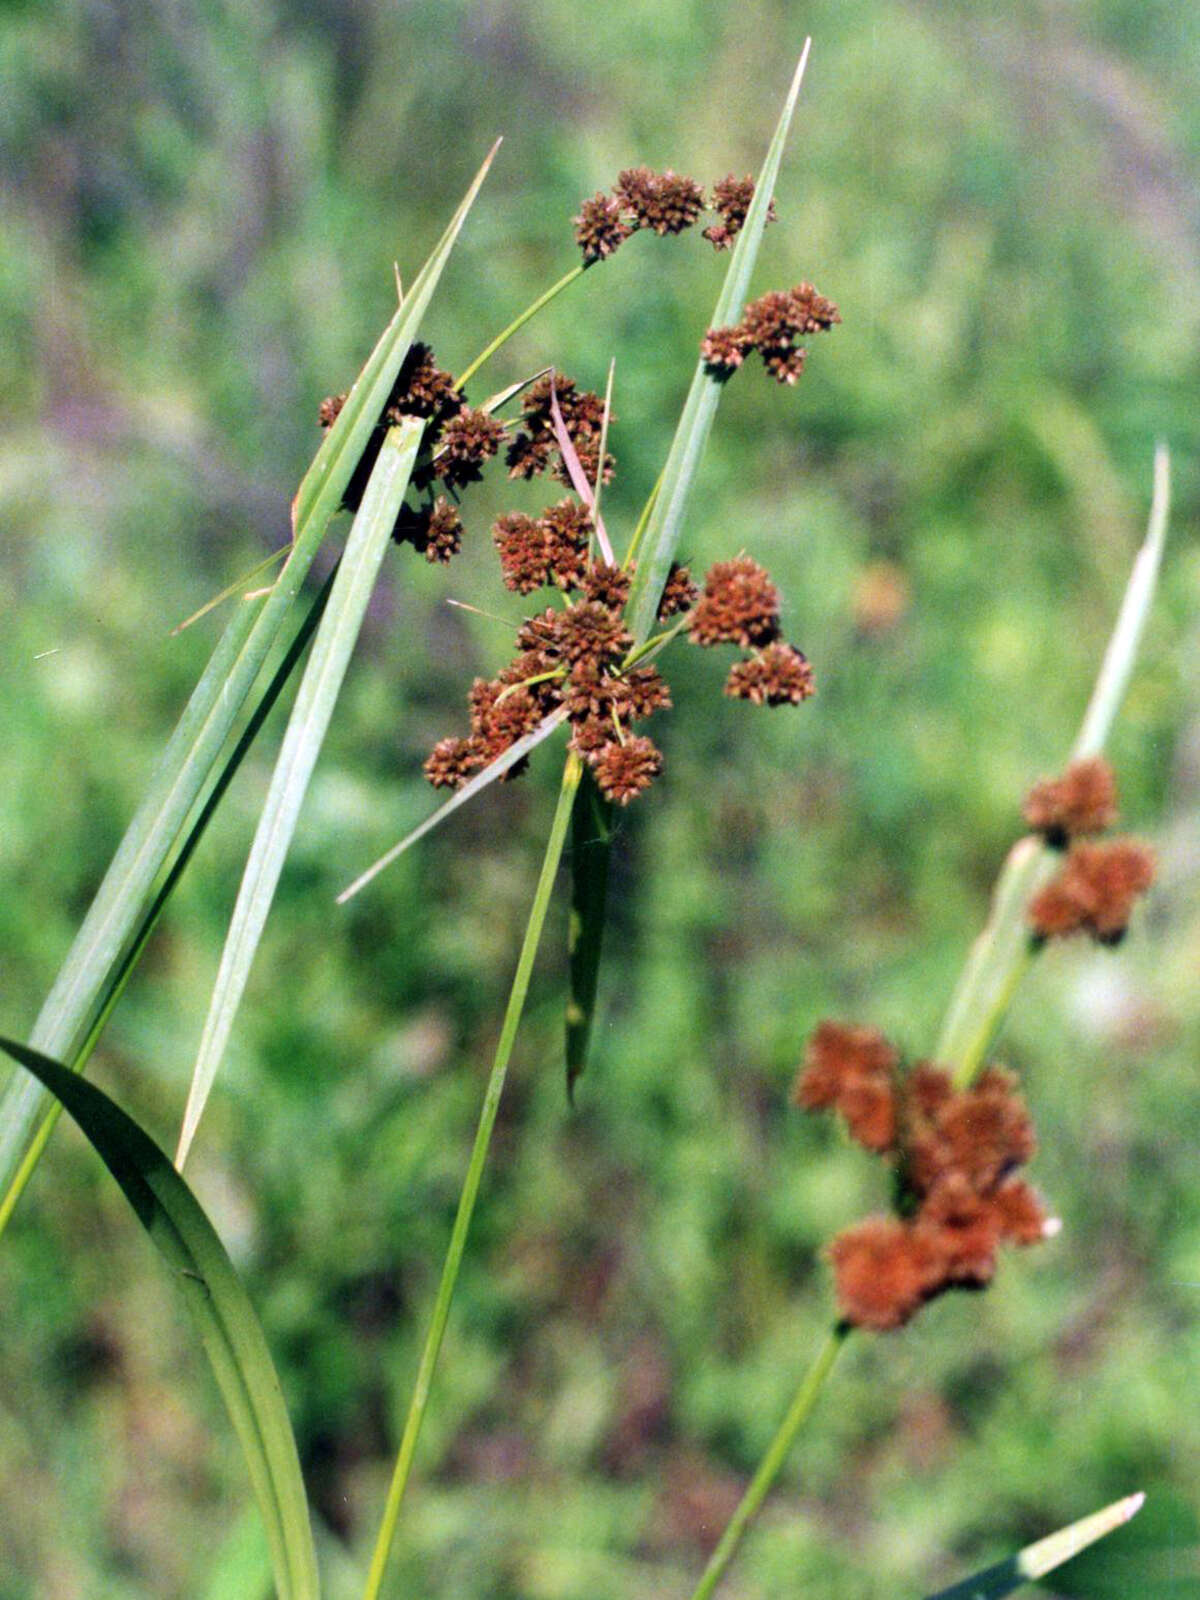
777 1453
470 1189
529 312
149 922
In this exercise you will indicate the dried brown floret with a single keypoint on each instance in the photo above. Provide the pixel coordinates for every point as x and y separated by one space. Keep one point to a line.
468 440
606 585
422 389
679 593
452 761
779 675
964 1231
1095 891
1019 1214
435 530
600 228
567 527
641 692
329 409
731 197
623 771
590 695
1083 800
590 632
739 605
524 556
590 736
883 1272
982 1133
840 1057
784 362
542 633
535 449
723 350
667 201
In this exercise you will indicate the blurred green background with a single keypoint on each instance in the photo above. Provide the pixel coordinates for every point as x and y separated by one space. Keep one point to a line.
200 207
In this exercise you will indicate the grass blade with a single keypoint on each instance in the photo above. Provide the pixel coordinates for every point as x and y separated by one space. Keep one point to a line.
1037 1560
302 742
591 828
196 744
661 538
149 922
232 1337
1002 951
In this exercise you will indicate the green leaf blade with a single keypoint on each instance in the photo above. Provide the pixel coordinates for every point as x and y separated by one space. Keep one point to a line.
661 538
591 830
307 726
208 718
229 1329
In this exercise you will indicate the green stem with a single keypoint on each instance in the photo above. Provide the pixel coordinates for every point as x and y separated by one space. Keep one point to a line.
157 906
777 1452
470 1189
529 312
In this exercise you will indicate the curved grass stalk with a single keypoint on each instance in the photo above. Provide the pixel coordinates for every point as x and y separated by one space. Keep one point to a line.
470 1189
518 323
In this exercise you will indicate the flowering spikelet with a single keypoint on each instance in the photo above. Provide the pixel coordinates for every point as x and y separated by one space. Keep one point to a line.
955 1152
666 202
606 585
1083 800
422 389
590 632
600 227
468 440
330 409
434 530
731 197
567 527
452 761
723 350
521 542
622 771
679 593
739 605
779 675
1094 892
534 449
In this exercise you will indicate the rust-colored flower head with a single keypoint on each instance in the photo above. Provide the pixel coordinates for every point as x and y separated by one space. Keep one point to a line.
883 1272
851 1070
524 558
1094 892
452 761
777 676
640 693
330 409
434 530
1083 800
739 605
606 585
623 771
590 632
468 440
981 1133
422 389
723 350
679 593
731 197
567 527
600 228
534 449
666 202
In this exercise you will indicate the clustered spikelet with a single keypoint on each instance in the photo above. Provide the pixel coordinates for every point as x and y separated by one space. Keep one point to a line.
772 324
1097 885
661 202
679 593
955 1153
1083 800
434 530
740 605
779 675
1095 891
731 199
534 449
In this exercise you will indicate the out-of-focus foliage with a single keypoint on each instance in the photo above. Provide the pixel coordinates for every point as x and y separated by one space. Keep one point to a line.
200 206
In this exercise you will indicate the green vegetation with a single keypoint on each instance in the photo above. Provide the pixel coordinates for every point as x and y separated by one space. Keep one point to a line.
200 209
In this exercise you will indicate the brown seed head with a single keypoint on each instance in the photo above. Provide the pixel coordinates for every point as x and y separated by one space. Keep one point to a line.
739 605
883 1272
468 440
1094 892
779 675
1083 800
590 632
623 771
606 585
723 350
679 593
600 228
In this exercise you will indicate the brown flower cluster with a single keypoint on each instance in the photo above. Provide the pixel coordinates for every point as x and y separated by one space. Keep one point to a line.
534 449
731 200
955 1152
740 605
771 325
1095 889
457 443
663 202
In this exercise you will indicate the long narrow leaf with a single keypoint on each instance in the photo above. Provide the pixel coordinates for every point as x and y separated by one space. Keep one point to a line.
1037 1560
661 538
1001 951
232 1337
124 969
657 542
306 731
591 826
210 714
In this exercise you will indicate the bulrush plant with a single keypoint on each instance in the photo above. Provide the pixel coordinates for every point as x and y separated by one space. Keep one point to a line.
401 450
